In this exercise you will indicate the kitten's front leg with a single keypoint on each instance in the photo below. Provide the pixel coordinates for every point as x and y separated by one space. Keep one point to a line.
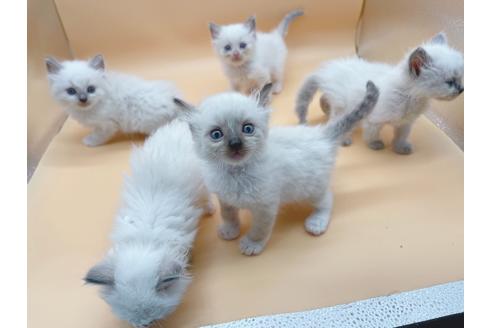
400 143
229 228
261 228
371 136
99 136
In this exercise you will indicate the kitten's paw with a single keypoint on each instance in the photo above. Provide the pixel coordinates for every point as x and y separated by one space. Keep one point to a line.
210 208
346 142
228 231
93 140
316 224
249 247
376 145
403 148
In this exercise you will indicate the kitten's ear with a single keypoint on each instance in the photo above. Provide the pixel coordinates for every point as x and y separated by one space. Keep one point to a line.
184 106
186 112
418 59
440 38
53 66
100 274
250 23
214 30
264 95
97 63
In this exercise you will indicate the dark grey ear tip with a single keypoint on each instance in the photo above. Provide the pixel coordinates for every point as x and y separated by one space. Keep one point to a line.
178 101
372 90
371 86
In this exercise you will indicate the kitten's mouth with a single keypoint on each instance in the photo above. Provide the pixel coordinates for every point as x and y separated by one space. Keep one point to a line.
236 59
84 104
237 155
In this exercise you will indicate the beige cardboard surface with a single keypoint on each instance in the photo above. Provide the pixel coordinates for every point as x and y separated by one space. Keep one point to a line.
397 222
45 36
389 28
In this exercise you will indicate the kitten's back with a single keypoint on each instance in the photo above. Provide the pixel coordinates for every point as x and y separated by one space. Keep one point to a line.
165 183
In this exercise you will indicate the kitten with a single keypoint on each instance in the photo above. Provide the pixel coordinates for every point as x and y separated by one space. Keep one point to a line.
109 102
249 167
144 275
251 59
433 70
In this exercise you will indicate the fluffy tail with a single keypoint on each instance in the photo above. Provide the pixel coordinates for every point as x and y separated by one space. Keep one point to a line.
336 129
305 96
284 24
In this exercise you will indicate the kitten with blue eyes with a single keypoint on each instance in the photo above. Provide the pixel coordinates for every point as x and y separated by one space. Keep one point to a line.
251 59
432 71
109 102
250 167
144 275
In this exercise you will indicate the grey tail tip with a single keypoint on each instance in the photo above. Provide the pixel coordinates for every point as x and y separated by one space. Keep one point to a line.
297 12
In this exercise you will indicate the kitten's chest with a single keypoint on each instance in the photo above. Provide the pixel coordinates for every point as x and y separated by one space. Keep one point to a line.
399 109
238 188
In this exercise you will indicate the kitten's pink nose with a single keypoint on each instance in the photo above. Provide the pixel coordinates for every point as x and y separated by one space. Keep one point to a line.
236 55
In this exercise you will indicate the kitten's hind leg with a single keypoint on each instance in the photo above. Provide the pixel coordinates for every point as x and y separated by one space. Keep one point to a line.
229 228
371 136
318 221
400 143
100 136
261 228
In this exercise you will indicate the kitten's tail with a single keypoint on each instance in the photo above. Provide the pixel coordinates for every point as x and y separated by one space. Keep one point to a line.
305 96
336 129
284 24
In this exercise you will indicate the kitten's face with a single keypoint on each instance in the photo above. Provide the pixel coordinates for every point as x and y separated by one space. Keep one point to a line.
235 44
438 69
77 84
229 128
140 285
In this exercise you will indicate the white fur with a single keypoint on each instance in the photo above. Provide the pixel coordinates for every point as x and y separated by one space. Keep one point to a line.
261 61
404 95
289 164
154 229
120 103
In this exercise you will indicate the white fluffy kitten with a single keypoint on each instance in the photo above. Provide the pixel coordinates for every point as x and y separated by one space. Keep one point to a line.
109 102
252 59
433 70
250 168
144 275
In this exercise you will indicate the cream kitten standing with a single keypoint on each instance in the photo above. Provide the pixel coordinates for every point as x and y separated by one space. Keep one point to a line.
109 102
144 275
433 70
252 168
251 59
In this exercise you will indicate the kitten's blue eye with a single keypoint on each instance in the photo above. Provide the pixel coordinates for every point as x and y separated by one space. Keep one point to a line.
248 128
216 134
450 83
91 89
71 91
227 47
242 45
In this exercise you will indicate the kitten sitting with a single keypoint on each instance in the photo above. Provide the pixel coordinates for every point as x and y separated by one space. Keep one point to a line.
250 167
251 59
433 70
109 102
144 275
